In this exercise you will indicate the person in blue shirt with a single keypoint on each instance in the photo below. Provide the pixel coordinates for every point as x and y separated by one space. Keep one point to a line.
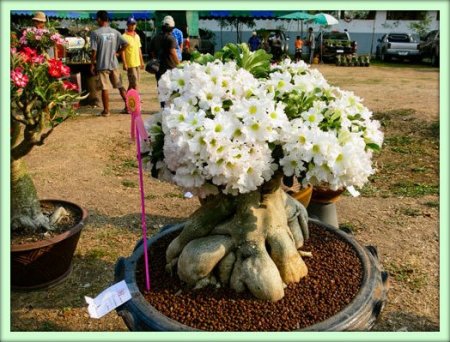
254 42
178 35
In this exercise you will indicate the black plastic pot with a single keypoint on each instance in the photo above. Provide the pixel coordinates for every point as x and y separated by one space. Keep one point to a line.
359 315
45 263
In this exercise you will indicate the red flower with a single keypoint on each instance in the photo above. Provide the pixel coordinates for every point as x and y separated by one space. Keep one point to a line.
69 85
54 72
28 54
65 70
57 69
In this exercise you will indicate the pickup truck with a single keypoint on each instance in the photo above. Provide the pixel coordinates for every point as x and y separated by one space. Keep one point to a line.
334 43
429 47
397 45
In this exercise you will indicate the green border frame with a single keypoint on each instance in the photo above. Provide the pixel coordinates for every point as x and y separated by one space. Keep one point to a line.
7 5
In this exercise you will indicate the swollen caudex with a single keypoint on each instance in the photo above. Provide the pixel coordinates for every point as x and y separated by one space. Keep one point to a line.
255 249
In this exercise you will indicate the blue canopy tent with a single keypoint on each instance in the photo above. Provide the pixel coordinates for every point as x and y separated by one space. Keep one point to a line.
113 15
253 14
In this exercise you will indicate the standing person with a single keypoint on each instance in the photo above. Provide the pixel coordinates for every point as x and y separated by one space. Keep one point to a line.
132 55
298 49
186 55
39 20
254 42
164 48
106 43
276 47
312 44
178 35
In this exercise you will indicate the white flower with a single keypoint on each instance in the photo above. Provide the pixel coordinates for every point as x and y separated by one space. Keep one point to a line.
222 128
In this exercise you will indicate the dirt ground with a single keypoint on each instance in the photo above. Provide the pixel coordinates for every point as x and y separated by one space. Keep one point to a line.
91 160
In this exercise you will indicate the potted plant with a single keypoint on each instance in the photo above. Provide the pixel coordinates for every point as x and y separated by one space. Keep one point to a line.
42 97
232 127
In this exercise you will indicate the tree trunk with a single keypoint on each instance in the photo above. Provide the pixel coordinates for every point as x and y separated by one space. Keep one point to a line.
250 241
25 206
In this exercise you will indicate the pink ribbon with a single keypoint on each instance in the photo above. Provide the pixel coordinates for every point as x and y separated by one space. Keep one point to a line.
138 132
134 108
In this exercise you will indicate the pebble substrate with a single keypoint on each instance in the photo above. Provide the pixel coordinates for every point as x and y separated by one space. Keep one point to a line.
334 278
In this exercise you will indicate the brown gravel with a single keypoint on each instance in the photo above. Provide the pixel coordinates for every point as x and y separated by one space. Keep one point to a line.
333 280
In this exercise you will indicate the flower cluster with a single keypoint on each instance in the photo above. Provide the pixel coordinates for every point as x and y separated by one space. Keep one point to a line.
57 69
331 135
40 39
224 130
40 85
218 128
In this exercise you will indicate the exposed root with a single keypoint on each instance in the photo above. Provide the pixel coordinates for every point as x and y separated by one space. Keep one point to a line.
58 215
200 224
246 242
305 254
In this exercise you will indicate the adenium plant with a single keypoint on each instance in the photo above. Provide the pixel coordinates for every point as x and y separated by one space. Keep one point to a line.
42 97
232 127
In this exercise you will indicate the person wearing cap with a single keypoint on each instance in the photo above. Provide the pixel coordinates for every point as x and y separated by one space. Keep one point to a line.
178 35
39 19
106 43
132 55
164 47
254 42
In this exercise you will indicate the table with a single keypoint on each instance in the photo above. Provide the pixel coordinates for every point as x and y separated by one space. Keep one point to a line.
89 83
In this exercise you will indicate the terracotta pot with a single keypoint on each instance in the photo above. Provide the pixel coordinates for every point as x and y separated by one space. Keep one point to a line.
45 263
303 195
322 194
361 314
300 193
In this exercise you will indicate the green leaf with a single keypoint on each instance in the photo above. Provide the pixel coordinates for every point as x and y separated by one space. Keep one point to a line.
373 146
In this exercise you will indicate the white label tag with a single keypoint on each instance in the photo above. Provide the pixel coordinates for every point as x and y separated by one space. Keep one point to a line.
108 300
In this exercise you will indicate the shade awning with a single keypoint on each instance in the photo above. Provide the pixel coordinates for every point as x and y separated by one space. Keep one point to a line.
113 15
247 14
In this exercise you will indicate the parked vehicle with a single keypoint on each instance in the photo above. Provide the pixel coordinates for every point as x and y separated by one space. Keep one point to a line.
397 45
335 43
429 47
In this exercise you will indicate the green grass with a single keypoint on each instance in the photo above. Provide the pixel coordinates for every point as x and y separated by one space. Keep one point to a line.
129 184
408 274
420 169
174 195
48 326
96 253
408 211
432 204
411 189
400 64
398 140
401 150
434 129
350 226
129 163
408 164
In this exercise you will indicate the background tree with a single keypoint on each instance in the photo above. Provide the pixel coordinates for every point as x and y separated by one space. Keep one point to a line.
422 26
237 23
